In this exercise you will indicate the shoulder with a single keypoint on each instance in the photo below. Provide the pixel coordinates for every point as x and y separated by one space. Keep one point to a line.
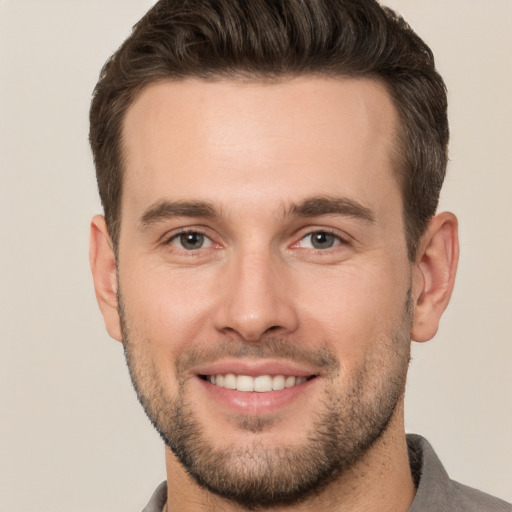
436 491
469 499
158 499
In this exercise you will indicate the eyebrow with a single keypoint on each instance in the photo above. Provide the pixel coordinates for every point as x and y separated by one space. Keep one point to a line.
169 209
310 207
329 205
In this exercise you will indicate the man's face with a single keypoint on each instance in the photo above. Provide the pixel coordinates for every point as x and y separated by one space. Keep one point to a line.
262 245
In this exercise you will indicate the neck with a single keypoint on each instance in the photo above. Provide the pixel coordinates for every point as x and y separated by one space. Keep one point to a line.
380 481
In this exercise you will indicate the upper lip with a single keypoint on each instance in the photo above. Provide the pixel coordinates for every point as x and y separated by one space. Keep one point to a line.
255 367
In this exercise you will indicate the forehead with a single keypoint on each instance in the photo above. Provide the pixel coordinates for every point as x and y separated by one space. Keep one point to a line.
237 142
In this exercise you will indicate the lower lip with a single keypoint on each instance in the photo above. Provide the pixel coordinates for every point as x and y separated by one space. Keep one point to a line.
254 403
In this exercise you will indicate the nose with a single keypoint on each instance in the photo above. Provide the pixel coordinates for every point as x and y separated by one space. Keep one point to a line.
257 299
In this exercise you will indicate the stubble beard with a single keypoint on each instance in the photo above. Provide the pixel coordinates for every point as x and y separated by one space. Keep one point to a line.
256 476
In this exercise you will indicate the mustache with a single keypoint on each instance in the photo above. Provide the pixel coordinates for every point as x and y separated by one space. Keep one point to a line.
322 357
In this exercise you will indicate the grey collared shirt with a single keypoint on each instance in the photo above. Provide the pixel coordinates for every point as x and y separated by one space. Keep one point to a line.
435 491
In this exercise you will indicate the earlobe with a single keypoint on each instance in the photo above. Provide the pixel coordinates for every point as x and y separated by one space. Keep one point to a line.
434 275
103 266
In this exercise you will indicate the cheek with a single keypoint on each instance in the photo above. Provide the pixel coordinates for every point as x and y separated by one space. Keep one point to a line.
166 309
354 308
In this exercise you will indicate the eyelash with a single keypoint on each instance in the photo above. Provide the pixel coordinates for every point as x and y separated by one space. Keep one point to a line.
339 240
184 232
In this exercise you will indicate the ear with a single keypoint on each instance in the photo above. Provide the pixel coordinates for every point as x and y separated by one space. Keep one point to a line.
434 275
103 266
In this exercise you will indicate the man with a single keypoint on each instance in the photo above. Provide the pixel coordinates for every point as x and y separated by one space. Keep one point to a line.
270 172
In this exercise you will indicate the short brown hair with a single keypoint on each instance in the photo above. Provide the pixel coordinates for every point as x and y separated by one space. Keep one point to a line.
276 40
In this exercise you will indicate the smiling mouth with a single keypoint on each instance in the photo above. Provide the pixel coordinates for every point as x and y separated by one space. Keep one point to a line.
259 384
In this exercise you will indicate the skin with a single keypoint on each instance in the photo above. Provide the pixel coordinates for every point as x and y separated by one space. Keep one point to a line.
252 151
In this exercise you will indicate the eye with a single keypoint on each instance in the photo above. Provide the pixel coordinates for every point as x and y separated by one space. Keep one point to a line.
190 241
320 240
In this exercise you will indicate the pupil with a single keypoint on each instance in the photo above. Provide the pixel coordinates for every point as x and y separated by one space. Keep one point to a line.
322 240
192 240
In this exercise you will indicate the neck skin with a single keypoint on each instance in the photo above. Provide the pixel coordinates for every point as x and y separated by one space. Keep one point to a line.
380 482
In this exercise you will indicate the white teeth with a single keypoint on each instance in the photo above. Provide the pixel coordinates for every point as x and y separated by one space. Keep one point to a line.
263 383
244 383
278 382
260 384
289 382
230 381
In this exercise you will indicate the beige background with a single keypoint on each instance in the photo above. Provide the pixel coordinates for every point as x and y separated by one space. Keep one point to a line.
72 436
